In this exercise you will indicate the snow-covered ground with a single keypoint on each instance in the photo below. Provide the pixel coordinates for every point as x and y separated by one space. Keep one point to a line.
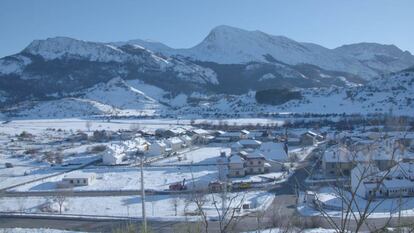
159 207
128 178
380 208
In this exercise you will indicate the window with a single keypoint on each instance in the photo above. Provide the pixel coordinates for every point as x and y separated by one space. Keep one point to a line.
251 162
77 181
237 173
71 181
259 162
84 181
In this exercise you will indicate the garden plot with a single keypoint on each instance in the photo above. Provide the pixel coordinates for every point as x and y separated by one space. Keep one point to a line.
128 178
202 156
160 207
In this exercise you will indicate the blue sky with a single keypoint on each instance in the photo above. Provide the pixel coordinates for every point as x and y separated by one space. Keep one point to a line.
184 23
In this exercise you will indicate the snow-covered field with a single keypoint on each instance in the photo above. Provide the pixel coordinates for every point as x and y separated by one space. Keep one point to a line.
161 207
128 178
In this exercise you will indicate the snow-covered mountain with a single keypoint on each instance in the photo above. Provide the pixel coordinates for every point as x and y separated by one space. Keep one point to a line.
230 45
378 57
219 75
53 67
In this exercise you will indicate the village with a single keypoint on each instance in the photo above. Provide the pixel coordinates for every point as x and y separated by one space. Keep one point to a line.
55 170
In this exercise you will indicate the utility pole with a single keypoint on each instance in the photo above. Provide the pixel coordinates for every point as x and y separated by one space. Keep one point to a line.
144 217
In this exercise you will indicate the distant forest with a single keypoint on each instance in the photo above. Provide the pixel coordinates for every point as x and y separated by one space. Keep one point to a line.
276 96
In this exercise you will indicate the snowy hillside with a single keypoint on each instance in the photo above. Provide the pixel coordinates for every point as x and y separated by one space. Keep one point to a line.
379 96
63 108
120 95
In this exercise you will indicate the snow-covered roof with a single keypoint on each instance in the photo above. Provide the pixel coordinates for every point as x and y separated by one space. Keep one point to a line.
255 154
186 138
244 131
273 151
174 140
236 145
342 154
200 131
235 159
232 134
159 143
250 142
178 130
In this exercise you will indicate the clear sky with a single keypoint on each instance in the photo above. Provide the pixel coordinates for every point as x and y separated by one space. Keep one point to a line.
184 23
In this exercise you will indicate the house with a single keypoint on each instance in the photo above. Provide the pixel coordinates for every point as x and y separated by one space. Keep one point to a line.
219 137
260 135
232 136
156 148
274 151
245 144
244 134
236 166
114 154
175 143
167 133
200 136
310 138
371 183
339 161
188 141
77 179
255 163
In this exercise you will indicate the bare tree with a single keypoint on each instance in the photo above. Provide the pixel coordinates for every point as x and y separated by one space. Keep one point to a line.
175 203
227 209
61 197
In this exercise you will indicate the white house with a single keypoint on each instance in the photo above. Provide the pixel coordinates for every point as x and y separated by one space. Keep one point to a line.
156 148
78 179
255 163
174 143
187 140
201 136
236 166
396 182
114 154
